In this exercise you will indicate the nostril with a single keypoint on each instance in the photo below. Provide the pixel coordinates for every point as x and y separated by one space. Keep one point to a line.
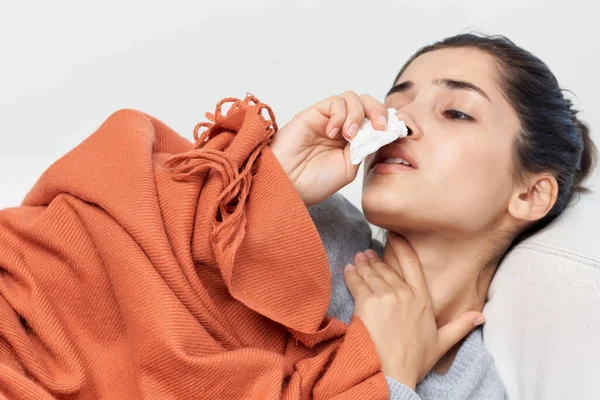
409 131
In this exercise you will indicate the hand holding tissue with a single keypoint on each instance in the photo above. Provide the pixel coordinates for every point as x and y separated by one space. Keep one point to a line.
368 140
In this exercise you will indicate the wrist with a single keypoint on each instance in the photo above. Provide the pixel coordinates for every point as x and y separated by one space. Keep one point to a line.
284 160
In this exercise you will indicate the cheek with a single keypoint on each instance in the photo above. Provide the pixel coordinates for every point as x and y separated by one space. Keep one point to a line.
461 186
474 180
468 164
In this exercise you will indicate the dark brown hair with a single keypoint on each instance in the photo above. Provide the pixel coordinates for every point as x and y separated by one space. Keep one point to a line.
551 138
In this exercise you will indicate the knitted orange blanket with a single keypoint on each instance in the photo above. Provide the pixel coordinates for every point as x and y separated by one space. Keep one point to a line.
143 266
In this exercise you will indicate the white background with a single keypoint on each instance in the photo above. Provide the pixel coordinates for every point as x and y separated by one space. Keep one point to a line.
66 65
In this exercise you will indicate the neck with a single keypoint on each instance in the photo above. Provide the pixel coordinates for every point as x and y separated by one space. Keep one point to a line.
455 271
458 274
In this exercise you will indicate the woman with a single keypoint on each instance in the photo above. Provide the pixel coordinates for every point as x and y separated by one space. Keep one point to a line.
495 154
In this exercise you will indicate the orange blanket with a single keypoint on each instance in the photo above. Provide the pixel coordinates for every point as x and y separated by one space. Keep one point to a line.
143 266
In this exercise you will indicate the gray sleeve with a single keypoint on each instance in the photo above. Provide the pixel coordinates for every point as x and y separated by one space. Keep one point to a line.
340 222
400 392
343 229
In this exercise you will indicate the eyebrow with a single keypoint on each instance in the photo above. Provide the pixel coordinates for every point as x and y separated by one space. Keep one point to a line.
451 84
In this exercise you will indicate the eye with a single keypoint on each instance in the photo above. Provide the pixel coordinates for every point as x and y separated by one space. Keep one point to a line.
454 114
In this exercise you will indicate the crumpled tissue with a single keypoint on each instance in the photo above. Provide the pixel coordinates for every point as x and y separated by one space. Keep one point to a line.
368 140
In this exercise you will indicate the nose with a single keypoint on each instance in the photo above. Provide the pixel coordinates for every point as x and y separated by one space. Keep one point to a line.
414 132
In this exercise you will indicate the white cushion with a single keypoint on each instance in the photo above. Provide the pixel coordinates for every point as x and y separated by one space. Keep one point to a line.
544 308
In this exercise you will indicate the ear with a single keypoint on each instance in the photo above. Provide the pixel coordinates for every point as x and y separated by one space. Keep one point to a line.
535 199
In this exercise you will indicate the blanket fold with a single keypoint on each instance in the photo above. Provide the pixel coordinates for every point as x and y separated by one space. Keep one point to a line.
141 265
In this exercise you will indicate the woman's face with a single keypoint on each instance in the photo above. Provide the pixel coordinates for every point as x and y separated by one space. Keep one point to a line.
461 142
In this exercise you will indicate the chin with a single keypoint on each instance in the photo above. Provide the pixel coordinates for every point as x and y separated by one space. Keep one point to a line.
383 207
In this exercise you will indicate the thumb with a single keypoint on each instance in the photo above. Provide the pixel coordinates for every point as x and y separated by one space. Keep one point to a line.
457 329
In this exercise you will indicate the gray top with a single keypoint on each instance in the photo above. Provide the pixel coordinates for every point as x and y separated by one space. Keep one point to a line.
345 232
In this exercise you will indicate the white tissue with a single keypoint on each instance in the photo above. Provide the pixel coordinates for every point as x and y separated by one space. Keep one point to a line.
368 140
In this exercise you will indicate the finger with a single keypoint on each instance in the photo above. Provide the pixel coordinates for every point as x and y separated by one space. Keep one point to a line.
356 115
338 114
409 262
334 110
375 111
389 274
371 277
356 285
455 330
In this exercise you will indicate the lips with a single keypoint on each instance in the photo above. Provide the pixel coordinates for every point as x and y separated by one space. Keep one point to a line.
394 150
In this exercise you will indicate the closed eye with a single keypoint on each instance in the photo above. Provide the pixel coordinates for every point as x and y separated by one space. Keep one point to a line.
458 115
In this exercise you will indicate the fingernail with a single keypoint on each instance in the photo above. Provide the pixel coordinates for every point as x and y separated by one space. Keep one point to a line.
361 256
370 253
352 130
383 120
348 267
479 320
334 132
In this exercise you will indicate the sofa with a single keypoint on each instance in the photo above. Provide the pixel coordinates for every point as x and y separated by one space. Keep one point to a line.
543 309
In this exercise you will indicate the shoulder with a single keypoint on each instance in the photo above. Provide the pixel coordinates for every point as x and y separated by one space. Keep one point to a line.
473 374
337 210
483 373
344 232
340 224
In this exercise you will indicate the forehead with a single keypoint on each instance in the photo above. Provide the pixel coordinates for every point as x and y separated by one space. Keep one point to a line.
464 64
469 65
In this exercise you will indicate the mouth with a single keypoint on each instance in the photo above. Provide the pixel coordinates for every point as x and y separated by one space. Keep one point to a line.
393 157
